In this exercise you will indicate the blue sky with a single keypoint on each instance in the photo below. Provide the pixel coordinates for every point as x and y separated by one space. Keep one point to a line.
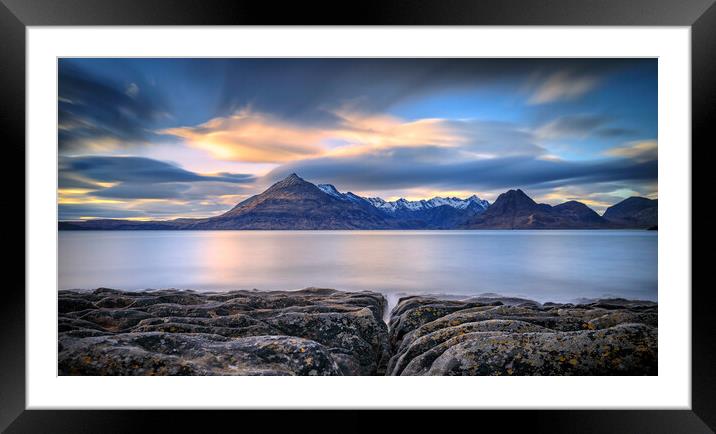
164 138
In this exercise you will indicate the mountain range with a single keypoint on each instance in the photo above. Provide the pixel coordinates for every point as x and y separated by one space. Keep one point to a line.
296 204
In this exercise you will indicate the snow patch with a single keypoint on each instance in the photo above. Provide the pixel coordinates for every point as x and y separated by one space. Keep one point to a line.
407 205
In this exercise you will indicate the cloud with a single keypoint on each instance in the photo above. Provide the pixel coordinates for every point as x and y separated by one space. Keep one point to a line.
103 180
129 190
644 150
97 113
563 86
180 191
368 132
132 90
80 211
69 180
108 104
251 137
494 138
392 169
368 125
308 91
136 170
141 210
581 126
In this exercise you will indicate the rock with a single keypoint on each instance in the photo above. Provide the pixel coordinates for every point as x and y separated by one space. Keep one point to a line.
194 354
314 331
114 320
603 337
626 349
318 331
73 304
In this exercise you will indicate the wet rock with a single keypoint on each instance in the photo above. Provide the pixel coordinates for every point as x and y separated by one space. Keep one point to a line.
513 337
171 332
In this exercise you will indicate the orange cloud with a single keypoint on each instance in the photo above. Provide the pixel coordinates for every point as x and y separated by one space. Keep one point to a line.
251 137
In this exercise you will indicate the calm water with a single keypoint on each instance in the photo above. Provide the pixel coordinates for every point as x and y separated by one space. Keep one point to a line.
542 265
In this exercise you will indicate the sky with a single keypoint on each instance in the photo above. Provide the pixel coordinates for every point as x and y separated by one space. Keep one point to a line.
144 138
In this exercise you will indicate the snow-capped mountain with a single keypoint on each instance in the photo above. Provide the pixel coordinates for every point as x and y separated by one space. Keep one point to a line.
473 202
330 190
401 204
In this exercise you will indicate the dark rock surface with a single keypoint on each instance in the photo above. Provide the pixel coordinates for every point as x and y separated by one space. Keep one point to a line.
171 332
492 336
327 332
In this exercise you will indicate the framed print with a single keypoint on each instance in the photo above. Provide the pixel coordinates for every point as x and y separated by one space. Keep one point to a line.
236 208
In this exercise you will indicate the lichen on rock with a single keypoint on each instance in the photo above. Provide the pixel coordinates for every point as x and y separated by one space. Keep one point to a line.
318 331
314 331
495 336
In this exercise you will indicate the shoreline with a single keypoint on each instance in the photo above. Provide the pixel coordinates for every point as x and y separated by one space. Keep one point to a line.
318 331
393 297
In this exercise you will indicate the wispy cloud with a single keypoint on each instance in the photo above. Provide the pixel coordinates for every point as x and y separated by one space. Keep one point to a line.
393 169
133 183
258 137
251 137
644 150
99 114
561 86
582 125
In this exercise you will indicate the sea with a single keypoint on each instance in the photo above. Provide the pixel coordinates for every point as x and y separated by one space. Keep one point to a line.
541 265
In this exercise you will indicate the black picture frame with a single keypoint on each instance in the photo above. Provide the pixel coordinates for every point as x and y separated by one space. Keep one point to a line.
16 15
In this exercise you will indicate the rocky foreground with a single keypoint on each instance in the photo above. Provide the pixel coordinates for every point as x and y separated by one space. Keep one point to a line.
328 332
502 336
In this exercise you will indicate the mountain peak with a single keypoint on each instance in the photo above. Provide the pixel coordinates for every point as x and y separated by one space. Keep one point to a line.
515 192
289 181
515 195
634 211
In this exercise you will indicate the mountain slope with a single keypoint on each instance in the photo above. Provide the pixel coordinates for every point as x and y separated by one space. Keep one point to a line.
294 203
635 211
515 210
